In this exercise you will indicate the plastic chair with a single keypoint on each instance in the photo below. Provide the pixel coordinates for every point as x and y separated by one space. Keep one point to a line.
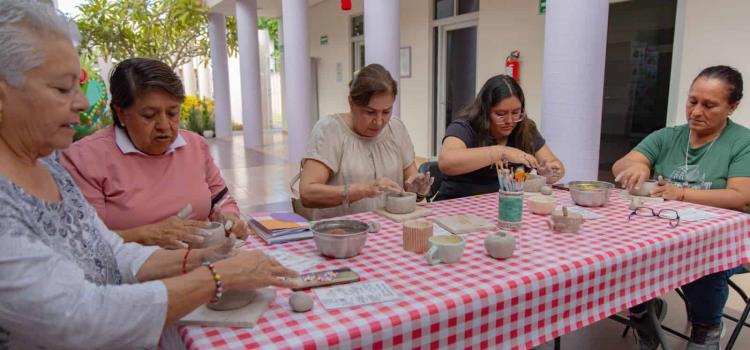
741 321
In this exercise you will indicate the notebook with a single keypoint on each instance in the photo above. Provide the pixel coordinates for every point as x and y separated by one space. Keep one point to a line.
280 227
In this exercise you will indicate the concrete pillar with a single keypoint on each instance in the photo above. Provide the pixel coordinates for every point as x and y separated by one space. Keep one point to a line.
247 40
575 39
382 38
296 76
217 35
204 80
188 78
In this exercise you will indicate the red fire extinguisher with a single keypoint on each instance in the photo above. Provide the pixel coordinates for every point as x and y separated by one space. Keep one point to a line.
513 65
346 5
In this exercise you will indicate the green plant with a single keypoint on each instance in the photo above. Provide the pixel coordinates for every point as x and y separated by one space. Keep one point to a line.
194 122
207 116
236 126
172 31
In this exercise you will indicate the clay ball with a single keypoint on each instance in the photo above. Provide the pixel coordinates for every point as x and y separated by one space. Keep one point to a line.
301 302
546 190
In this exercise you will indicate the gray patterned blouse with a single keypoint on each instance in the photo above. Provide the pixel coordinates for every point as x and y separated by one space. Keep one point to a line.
66 281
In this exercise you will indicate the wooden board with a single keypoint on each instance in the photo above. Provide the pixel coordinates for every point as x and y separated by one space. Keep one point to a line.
245 317
464 223
417 213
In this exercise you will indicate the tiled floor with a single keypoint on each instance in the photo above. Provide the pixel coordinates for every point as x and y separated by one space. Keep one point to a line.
259 180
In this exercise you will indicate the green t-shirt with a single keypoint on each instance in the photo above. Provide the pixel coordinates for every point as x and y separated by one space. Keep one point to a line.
708 166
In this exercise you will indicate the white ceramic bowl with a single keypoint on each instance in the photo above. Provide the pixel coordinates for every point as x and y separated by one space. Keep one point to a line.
542 205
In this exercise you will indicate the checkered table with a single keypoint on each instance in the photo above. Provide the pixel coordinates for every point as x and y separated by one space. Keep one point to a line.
554 283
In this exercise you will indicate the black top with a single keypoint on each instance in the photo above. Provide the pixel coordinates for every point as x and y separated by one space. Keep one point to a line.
482 180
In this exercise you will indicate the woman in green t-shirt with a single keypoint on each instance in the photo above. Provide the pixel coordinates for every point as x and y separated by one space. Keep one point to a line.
706 161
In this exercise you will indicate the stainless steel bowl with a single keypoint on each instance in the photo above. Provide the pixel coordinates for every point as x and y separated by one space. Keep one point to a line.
340 239
590 193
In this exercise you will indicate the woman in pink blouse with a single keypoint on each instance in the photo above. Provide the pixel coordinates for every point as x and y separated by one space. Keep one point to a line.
140 172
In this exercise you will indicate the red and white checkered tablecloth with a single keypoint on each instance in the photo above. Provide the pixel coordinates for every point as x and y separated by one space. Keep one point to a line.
554 283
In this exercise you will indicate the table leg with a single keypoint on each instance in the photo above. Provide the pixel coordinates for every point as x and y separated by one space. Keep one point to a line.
654 318
557 343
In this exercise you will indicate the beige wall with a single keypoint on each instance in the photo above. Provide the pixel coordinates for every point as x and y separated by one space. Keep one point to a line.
507 25
326 18
714 32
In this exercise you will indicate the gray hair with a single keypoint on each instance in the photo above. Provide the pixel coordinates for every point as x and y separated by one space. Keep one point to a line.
20 22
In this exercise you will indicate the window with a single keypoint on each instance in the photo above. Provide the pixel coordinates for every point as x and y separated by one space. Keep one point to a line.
450 8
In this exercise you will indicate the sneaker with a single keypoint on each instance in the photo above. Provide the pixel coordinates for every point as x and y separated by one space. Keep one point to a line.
705 337
646 334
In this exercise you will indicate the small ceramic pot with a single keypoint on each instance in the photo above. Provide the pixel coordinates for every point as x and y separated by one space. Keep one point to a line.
559 222
208 134
645 189
213 234
401 203
500 245
232 300
542 205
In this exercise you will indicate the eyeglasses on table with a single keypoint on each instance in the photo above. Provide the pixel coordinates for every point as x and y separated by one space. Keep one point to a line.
668 214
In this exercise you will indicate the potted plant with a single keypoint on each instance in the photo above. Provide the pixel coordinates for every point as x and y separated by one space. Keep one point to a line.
207 120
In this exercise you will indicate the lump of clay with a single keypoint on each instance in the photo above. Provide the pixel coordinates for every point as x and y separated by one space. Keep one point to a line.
301 302
546 190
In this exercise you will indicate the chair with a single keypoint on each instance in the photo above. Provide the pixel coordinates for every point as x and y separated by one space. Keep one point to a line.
432 167
741 321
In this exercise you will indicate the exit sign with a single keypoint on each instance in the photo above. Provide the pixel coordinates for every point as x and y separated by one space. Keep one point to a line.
542 7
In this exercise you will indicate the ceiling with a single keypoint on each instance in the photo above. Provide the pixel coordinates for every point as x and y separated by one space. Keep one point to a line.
266 8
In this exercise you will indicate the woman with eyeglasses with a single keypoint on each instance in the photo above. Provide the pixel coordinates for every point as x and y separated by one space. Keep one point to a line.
353 158
706 161
493 129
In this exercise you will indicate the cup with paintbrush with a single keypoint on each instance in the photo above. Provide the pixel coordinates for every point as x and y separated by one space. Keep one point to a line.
510 197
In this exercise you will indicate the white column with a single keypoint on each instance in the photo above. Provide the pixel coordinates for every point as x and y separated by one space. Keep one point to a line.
188 78
247 40
575 38
296 76
382 38
217 35
204 80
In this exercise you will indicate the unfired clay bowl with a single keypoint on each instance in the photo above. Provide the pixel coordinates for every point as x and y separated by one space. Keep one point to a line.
213 234
542 205
534 183
645 189
401 203
232 300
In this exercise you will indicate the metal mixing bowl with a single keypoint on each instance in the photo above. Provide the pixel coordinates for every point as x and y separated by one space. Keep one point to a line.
340 239
590 193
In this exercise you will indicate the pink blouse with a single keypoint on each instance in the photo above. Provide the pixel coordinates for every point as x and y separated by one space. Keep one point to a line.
129 188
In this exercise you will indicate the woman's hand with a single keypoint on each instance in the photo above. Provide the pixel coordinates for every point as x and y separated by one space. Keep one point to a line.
633 176
170 233
515 155
239 227
668 191
372 188
419 183
253 269
552 170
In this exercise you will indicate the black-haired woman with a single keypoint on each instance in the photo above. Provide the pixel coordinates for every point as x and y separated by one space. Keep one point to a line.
494 128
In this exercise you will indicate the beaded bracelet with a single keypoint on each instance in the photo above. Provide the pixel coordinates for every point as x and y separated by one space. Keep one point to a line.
217 280
185 260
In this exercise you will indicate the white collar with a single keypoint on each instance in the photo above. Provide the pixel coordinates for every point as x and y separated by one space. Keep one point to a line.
126 146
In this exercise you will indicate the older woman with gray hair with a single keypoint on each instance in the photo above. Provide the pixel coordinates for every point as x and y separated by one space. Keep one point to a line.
67 281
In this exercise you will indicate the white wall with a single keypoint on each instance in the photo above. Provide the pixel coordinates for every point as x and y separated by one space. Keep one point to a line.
327 18
714 32
507 25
